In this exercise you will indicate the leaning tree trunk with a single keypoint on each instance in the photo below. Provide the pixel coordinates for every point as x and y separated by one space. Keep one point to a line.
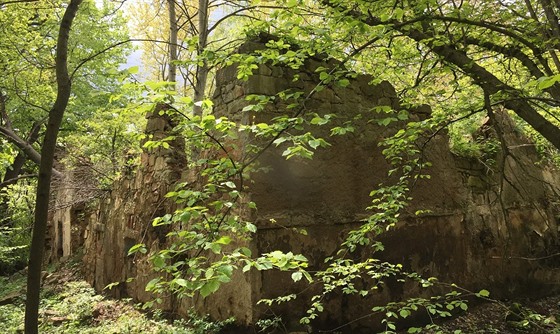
45 170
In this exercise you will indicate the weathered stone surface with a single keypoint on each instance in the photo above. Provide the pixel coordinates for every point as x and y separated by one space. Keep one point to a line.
124 218
479 232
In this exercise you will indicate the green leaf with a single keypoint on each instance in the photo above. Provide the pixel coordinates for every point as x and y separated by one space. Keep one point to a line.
215 248
279 140
158 261
404 313
547 82
249 107
307 276
132 70
314 143
138 248
111 285
181 282
251 227
399 12
225 240
229 184
296 276
343 82
317 120
209 288
226 270
152 284
300 258
483 293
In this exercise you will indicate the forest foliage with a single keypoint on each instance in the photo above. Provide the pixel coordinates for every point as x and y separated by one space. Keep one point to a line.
464 58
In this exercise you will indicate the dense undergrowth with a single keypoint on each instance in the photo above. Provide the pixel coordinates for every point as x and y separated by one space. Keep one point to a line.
70 305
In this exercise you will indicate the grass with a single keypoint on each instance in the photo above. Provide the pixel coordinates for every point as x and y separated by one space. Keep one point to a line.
69 305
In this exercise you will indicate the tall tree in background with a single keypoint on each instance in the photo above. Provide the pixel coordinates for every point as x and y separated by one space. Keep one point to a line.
173 39
181 35
189 37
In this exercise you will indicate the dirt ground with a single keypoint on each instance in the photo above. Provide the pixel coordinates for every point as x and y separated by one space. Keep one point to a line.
533 316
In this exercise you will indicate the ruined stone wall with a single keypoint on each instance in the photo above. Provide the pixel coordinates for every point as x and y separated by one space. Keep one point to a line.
71 198
124 218
483 225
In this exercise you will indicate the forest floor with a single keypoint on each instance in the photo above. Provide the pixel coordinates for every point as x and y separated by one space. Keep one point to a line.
70 305
525 316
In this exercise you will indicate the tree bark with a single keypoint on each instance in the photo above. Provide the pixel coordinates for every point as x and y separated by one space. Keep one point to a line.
173 30
56 114
201 71
24 146
15 169
491 84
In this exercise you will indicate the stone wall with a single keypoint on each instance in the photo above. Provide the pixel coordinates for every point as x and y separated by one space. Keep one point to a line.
71 199
485 224
124 218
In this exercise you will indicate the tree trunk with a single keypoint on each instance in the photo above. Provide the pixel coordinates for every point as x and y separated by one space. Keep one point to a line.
492 85
15 169
45 170
12 175
201 71
173 30
24 146
480 75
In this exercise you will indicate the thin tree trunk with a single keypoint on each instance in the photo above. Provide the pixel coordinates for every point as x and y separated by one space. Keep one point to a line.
201 71
45 170
173 30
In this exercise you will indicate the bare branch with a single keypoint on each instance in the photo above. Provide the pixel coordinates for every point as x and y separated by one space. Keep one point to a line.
234 13
112 46
14 179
